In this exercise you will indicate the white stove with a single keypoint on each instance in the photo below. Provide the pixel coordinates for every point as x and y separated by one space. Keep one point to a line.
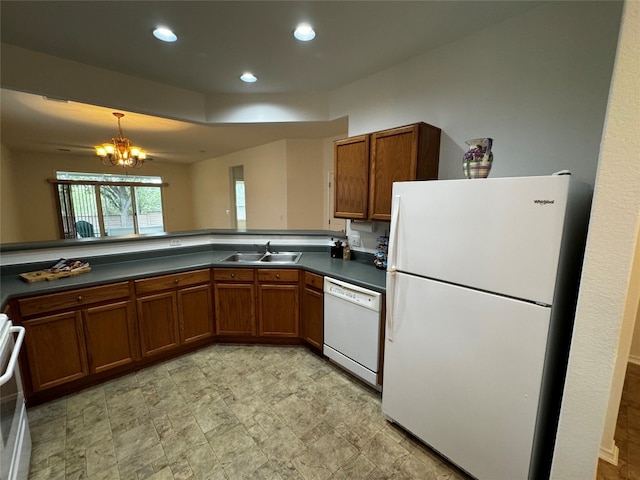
15 439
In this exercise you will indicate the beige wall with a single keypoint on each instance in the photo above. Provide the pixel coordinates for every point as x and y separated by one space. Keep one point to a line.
285 189
284 186
9 214
265 188
329 221
634 354
305 179
35 201
608 292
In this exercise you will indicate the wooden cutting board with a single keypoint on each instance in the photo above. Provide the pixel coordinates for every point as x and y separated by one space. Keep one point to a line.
41 275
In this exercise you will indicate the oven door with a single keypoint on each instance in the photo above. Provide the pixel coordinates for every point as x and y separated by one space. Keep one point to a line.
15 440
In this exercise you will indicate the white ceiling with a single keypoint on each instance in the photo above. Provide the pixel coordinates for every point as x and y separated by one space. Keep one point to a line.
217 41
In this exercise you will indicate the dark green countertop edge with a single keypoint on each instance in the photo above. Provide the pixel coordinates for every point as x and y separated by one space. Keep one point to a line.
12 247
113 268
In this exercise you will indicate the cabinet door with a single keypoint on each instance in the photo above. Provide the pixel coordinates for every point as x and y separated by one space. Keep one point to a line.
394 153
196 318
311 322
158 323
110 335
279 310
351 176
56 350
235 308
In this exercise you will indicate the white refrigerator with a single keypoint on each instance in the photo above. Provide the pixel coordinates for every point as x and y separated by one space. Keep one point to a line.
481 286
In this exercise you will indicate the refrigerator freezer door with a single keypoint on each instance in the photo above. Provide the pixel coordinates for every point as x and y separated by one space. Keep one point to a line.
463 373
500 235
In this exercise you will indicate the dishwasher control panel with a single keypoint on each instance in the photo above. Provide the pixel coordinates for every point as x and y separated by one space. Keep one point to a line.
353 293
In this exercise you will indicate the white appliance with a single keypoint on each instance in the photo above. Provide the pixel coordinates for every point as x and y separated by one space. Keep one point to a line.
481 283
15 438
352 328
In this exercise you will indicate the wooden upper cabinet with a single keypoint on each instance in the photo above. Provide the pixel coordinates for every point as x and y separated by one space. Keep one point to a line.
399 155
351 177
367 165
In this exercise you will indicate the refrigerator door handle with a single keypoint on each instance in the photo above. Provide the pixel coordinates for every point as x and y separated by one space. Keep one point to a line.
391 269
391 305
392 254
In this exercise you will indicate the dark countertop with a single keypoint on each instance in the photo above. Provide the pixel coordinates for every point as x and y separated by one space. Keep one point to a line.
360 272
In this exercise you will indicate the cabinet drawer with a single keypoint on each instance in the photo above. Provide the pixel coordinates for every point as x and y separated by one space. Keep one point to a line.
174 280
314 281
72 299
277 275
233 274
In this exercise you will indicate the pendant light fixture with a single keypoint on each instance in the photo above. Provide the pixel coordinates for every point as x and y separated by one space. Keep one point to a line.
120 152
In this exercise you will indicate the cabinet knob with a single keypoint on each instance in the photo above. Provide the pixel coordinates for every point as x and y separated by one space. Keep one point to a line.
233 275
79 298
176 281
277 275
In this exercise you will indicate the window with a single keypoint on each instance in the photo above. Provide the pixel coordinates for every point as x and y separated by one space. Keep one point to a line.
100 205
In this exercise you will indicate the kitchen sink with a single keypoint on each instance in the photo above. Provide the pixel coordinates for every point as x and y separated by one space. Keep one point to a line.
288 257
241 257
261 258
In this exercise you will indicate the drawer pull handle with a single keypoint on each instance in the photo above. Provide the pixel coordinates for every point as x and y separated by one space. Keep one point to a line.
176 281
233 275
277 275
79 298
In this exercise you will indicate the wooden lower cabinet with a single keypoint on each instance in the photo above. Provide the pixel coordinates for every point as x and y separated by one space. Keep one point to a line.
235 294
73 334
195 311
158 323
278 303
110 336
173 310
78 337
312 318
56 349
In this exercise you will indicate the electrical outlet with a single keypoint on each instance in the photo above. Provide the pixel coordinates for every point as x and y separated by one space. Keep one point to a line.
175 243
355 240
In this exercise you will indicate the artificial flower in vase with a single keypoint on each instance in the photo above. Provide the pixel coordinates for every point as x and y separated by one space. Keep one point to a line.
478 159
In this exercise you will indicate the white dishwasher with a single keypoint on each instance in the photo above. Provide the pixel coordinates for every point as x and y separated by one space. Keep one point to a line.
352 328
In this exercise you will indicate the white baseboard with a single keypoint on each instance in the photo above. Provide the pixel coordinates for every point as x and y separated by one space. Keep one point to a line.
635 359
610 455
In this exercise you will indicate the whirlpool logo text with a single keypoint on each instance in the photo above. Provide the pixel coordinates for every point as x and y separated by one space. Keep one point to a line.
544 202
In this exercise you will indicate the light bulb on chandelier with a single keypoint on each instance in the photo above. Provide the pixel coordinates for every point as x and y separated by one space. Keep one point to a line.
120 152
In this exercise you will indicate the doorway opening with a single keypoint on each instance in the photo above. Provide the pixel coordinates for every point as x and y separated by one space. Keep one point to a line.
238 202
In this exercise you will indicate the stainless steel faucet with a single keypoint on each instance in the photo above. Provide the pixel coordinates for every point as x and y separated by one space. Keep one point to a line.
267 248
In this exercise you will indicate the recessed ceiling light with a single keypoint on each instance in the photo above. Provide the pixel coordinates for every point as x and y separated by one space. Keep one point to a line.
248 77
304 32
164 34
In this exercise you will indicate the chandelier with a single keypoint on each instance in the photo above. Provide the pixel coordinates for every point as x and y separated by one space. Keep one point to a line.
120 153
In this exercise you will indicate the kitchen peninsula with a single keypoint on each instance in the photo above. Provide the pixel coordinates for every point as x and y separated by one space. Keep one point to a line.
151 297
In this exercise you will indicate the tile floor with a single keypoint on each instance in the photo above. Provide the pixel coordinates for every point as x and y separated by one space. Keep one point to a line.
228 412
627 434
